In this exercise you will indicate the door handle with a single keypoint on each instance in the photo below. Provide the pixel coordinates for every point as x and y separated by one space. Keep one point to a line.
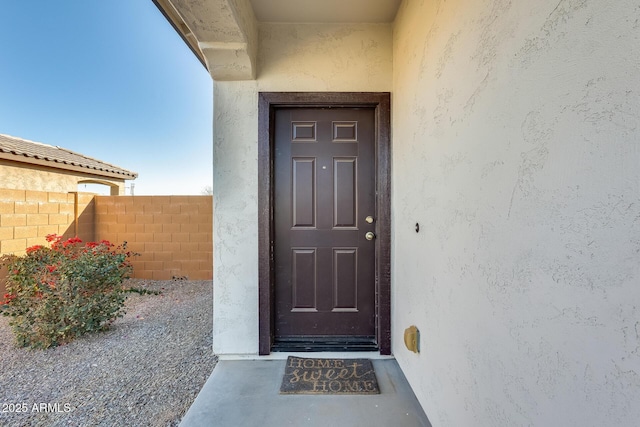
369 235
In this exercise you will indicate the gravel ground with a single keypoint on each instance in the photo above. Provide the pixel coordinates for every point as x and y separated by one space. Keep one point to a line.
146 370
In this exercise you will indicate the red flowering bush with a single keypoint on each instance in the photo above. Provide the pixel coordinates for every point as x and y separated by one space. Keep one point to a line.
58 293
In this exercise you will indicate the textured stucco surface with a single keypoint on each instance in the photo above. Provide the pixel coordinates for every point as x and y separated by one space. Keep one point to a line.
226 32
235 231
516 147
18 176
291 58
325 57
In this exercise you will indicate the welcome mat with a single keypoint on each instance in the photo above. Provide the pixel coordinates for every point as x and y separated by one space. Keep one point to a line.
329 376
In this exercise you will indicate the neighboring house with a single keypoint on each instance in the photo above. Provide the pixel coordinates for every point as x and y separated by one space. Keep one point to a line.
36 182
502 183
28 165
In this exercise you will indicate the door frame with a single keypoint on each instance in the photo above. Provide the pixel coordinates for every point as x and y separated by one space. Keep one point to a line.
268 103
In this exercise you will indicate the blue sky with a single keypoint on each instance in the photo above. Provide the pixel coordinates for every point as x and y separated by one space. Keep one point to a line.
111 80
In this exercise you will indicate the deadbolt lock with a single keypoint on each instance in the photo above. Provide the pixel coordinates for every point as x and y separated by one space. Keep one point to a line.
369 235
369 219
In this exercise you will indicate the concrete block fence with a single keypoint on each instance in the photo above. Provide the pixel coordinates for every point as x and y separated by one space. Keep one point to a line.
173 234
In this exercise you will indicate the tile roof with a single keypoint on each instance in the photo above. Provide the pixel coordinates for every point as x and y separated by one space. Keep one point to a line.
59 157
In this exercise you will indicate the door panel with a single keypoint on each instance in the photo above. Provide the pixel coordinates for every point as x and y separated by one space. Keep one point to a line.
303 280
345 279
324 181
304 192
345 183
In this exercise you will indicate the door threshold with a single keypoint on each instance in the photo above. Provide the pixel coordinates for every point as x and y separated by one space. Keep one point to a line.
321 343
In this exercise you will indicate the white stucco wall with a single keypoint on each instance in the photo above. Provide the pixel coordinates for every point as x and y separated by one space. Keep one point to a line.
516 146
290 58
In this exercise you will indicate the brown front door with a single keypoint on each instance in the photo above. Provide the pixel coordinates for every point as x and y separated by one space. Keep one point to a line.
324 205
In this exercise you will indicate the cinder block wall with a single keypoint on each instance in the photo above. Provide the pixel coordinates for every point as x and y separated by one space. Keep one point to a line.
173 234
27 217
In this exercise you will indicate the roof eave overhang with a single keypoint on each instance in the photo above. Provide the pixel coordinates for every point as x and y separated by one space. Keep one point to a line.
225 42
180 27
66 166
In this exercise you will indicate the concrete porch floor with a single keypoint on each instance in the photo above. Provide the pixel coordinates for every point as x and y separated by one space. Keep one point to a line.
246 393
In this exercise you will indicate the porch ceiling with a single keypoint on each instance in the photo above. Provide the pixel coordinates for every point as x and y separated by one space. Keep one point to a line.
223 34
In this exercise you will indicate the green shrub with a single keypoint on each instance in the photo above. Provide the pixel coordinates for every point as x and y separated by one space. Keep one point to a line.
59 293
